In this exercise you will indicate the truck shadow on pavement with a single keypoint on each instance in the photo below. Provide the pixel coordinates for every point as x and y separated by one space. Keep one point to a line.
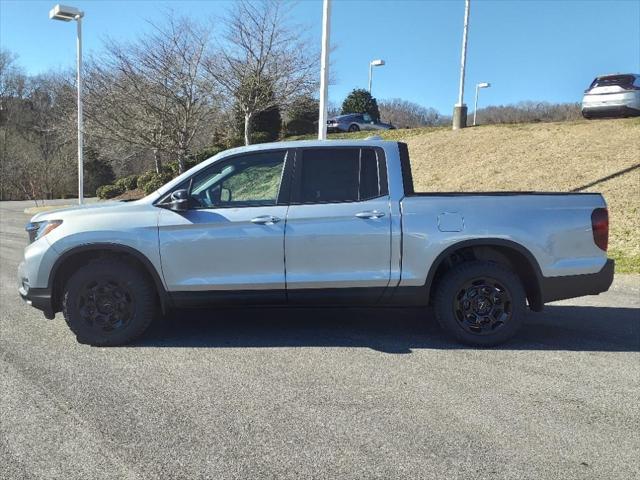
399 331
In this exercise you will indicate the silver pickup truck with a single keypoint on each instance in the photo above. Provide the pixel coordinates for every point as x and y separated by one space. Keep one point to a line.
315 223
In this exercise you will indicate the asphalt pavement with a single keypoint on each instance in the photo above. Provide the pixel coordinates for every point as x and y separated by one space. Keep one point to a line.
319 393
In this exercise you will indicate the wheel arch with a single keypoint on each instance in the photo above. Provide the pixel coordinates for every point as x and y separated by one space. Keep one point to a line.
499 250
74 258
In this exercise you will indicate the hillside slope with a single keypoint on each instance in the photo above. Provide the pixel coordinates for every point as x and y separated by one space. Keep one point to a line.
592 156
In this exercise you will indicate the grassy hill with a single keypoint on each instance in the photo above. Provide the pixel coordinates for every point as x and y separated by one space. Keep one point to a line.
589 156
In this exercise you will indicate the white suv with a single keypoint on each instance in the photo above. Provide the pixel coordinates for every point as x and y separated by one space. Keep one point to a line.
612 96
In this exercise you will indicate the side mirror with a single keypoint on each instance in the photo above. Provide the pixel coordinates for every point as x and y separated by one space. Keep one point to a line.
179 201
225 195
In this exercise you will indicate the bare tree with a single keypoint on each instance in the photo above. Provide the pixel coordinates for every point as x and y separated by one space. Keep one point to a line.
12 79
36 148
264 61
153 93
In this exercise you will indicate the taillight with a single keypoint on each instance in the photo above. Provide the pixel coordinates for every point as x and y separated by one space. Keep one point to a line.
600 227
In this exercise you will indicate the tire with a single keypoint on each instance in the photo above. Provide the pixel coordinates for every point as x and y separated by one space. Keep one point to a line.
354 128
480 303
108 302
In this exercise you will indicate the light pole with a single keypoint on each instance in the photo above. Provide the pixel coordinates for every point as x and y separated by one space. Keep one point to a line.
374 63
460 109
66 14
475 106
324 69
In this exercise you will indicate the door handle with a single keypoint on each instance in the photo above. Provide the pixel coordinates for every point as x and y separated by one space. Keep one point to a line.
265 220
370 214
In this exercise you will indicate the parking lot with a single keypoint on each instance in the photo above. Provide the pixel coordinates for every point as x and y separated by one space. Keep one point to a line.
319 393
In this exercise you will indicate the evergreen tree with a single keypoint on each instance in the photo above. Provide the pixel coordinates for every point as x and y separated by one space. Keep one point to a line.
361 101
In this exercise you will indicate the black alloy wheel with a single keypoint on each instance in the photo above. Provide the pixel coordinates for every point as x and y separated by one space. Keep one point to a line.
109 302
482 306
106 305
480 303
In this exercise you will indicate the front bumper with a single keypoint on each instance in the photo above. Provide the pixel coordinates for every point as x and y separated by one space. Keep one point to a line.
571 286
603 111
39 298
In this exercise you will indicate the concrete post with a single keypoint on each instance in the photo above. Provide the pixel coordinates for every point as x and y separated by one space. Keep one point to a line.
459 116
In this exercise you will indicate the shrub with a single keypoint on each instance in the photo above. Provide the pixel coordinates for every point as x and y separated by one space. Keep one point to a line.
172 169
302 116
267 124
97 171
144 178
130 182
261 137
155 181
120 184
235 141
127 183
207 153
109 191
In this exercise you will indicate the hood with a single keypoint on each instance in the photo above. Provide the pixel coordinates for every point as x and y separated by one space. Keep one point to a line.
81 210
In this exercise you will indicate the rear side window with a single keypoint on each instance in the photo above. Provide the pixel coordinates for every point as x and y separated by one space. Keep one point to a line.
335 175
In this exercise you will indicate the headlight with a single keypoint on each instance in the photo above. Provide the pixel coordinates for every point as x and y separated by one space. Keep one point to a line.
38 230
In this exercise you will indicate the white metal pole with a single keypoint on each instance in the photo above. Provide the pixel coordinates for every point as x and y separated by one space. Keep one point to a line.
370 73
475 106
80 126
324 69
463 60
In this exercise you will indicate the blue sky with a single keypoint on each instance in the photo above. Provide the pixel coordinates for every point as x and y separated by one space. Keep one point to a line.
529 50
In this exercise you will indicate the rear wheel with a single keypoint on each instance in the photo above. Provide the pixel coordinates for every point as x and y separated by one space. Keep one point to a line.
480 303
108 303
354 128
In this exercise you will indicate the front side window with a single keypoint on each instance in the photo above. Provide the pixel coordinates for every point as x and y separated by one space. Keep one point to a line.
334 175
248 180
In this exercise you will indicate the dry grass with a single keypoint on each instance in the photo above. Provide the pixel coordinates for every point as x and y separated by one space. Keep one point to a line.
544 156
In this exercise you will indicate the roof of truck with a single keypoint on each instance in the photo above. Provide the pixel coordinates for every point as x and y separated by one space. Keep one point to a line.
361 142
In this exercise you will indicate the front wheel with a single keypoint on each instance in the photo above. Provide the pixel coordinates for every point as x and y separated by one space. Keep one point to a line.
480 303
108 302
354 128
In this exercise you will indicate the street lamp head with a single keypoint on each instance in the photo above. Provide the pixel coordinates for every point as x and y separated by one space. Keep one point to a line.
484 85
65 13
377 63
